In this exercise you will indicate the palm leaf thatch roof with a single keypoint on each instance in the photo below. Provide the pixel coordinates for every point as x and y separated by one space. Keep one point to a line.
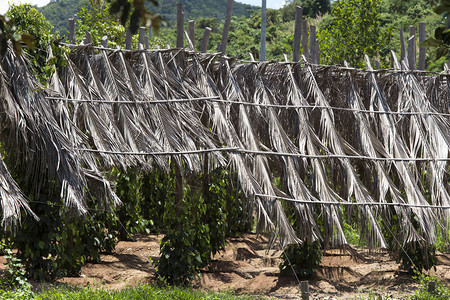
372 142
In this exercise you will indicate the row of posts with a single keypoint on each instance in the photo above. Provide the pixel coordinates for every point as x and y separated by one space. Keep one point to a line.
311 53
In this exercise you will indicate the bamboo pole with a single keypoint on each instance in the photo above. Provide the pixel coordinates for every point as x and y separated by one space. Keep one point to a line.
226 28
297 34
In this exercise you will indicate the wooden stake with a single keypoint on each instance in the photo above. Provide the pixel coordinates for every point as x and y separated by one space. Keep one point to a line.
297 34
72 38
262 50
88 39
191 33
412 48
180 25
422 51
128 40
105 41
304 286
226 28
205 40
312 44
142 36
402 45
305 39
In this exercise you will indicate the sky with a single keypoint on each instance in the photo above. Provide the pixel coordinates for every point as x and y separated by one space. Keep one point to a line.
4 4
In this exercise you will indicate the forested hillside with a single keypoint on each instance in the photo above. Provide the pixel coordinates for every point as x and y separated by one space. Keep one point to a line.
58 11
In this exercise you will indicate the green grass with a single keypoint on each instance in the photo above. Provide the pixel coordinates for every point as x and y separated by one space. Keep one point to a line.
141 292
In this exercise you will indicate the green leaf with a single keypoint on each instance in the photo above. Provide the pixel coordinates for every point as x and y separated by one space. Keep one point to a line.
431 42
440 52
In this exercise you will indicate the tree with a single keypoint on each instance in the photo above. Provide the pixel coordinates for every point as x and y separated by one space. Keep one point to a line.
29 22
95 18
311 8
352 31
441 40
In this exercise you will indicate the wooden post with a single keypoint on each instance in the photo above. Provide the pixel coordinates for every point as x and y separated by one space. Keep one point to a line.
305 39
205 40
72 39
105 41
412 49
297 34
128 40
317 52
312 44
142 36
88 39
147 43
402 45
305 290
191 33
262 50
421 49
226 28
180 25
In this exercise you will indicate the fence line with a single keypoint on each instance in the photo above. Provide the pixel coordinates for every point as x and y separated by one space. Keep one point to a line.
354 203
266 105
272 153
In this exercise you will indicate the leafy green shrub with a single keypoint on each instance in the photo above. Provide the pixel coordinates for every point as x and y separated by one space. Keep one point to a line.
14 275
416 256
180 259
440 292
304 258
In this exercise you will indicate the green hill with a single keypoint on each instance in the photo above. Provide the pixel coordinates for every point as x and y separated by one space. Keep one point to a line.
57 12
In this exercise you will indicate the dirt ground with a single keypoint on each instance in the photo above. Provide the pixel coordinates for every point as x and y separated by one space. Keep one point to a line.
245 266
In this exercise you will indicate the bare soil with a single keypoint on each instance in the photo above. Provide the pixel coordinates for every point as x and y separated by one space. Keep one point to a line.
246 266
